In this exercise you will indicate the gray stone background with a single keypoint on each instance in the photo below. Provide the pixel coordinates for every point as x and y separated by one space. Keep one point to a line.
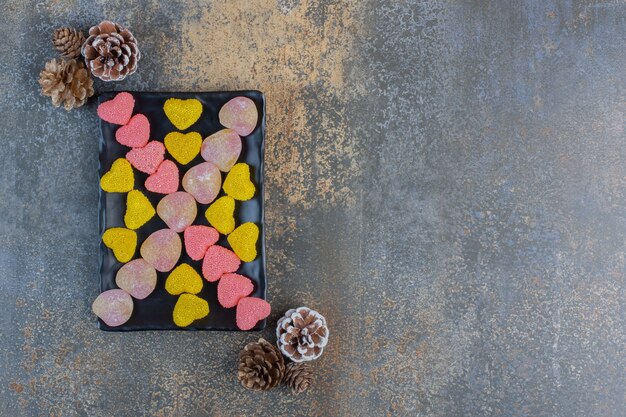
445 182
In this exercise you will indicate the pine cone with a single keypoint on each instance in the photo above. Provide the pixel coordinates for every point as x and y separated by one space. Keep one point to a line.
298 376
302 334
68 41
67 82
111 52
261 366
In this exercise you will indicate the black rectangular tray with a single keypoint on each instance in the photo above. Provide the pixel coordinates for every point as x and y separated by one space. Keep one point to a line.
155 311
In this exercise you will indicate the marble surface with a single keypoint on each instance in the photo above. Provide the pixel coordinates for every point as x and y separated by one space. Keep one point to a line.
445 183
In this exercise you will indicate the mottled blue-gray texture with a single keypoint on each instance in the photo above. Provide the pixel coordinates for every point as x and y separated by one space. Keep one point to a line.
446 183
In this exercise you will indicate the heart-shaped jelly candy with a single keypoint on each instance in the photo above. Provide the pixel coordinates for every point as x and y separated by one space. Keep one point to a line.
222 149
183 279
117 110
183 147
220 214
178 210
198 239
203 181
188 309
114 307
243 241
239 114
231 288
182 113
120 178
237 183
164 180
121 241
162 249
139 210
251 310
217 262
138 278
148 158
135 133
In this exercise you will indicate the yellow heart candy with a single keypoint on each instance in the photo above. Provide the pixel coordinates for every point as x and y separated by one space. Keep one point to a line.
120 178
183 279
237 183
220 214
122 242
189 308
184 147
138 210
182 113
243 241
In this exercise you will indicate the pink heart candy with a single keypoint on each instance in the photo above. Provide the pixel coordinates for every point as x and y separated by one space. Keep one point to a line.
148 158
217 262
203 182
162 249
135 133
178 210
114 307
164 180
117 110
137 278
198 239
233 287
222 149
239 114
250 310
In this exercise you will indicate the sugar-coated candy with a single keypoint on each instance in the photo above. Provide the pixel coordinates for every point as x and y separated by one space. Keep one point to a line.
222 149
135 133
221 214
239 114
243 241
183 147
162 249
118 110
217 262
164 180
198 239
182 113
178 210
183 278
203 181
138 278
121 241
148 158
233 287
120 178
114 307
238 184
251 310
139 210
188 309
